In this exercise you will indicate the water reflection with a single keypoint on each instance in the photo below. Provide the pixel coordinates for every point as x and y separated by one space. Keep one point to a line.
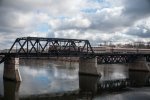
59 80
1 81
11 90
131 94
88 83
52 77
113 71
42 77
139 78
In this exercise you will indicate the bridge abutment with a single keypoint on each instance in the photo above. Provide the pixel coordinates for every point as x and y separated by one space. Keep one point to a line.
139 72
11 69
88 66
140 64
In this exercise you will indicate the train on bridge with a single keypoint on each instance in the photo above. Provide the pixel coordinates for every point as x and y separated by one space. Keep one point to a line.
115 50
99 49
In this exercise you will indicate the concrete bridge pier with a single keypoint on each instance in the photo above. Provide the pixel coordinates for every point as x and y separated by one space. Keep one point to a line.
88 66
11 69
139 72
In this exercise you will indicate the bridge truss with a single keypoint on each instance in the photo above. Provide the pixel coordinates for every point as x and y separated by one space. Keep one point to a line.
35 46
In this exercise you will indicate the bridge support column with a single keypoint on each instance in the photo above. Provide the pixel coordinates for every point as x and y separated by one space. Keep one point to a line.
88 66
139 72
140 64
11 69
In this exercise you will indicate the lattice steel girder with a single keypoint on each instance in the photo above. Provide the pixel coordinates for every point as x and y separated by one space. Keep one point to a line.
51 46
113 59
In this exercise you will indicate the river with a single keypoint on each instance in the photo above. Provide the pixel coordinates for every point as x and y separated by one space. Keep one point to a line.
59 80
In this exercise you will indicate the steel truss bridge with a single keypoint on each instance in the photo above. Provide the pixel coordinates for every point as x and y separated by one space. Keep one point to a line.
48 47
58 47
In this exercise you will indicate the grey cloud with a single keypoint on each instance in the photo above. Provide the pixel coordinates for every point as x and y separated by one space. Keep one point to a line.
9 11
133 11
110 25
53 7
22 5
9 20
104 21
51 34
139 32
137 8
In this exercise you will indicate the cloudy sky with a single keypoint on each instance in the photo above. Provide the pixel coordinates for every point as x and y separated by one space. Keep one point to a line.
96 20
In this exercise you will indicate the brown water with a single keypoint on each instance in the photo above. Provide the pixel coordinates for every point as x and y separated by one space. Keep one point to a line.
57 80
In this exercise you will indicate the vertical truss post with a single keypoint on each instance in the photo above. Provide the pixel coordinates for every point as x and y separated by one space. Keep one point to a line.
37 48
27 46
90 47
87 47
